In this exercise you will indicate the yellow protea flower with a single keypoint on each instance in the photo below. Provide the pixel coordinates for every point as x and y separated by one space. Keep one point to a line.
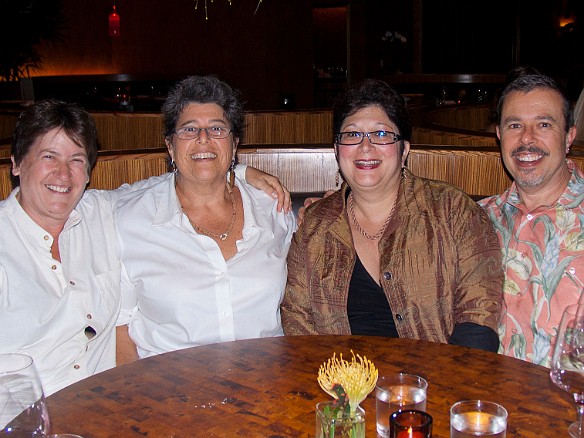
358 378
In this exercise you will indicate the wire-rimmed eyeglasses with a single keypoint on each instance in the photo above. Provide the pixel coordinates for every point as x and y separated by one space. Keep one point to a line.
192 132
353 138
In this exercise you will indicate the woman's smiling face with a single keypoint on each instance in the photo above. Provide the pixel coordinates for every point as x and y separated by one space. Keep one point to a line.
203 158
53 176
368 166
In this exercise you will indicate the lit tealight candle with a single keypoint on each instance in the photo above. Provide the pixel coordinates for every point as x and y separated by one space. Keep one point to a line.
410 433
480 419
410 424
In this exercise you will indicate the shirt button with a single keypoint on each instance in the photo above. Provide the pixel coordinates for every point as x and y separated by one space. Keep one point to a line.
72 283
399 317
89 316
387 275
54 267
529 216
76 367
46 237
572 270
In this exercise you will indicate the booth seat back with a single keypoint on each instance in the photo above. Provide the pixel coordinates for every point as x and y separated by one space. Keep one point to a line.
122 131
477 171
308 170
111 170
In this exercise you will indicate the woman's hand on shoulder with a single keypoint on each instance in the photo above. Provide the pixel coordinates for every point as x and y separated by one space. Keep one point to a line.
271 185
307 203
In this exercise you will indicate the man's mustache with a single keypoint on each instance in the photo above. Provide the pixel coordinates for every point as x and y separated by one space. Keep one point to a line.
529 149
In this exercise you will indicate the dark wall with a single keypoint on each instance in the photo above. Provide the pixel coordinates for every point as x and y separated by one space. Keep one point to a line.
468 36
264 55
375 49
556 50
273 52
462 36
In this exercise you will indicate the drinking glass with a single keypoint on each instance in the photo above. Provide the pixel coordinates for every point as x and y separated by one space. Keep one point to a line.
23 410
472 418
567 369
398 392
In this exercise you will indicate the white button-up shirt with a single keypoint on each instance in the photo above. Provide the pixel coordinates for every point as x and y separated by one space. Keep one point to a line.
177 289
63 314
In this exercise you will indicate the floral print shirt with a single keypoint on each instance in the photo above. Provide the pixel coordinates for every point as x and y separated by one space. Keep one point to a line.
543 260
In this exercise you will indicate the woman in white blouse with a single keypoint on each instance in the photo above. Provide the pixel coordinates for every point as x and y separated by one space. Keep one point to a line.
59 267
59 260
204 255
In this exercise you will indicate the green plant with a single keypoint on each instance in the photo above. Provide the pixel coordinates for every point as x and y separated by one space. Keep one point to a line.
336 419
24 25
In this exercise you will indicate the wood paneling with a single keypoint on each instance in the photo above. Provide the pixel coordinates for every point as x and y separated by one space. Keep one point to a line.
452 137
7 123
122 131
300 170
127 131
298 127
117 131
264 54
477 172
113 170
310 170
474 118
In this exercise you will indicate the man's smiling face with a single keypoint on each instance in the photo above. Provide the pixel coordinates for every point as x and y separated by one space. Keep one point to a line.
534 142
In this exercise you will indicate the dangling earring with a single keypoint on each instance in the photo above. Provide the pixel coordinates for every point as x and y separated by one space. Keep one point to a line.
173 167
232 173
403 171
337 178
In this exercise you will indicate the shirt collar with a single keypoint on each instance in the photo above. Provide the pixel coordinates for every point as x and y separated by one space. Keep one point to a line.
573 194
168 207
33 231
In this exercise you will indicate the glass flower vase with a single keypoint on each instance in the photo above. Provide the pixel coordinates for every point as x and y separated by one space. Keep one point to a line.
332 422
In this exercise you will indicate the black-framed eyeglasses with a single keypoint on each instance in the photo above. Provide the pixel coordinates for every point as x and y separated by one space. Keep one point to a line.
353 138
192 132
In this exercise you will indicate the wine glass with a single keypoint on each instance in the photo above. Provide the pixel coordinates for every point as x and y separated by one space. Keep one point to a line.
567 369
23 411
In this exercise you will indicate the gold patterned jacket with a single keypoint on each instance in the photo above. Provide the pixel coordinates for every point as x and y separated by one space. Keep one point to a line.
440 264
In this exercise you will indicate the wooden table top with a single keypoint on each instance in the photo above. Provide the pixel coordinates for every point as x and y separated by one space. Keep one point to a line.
268 388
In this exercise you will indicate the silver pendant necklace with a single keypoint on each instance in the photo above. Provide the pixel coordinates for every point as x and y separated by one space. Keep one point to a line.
225 234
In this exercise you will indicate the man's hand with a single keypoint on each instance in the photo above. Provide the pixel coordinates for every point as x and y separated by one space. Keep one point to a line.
271 185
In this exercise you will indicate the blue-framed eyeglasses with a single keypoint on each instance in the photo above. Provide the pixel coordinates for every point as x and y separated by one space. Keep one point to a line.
353 138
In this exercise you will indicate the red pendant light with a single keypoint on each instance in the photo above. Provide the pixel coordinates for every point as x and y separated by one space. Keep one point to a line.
114 23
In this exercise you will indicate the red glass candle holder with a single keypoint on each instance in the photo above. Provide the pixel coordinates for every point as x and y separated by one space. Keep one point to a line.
410 424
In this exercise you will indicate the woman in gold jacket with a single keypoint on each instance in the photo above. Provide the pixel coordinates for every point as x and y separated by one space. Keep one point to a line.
392 254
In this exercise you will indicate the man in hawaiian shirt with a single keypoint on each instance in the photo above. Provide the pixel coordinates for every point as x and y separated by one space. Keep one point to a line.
539 219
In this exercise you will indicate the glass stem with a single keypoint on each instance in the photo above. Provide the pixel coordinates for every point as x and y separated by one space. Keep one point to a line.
580 409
